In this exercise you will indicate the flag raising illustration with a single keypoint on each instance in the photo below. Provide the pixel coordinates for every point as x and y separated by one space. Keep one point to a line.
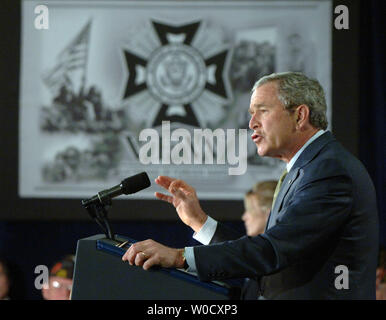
70 69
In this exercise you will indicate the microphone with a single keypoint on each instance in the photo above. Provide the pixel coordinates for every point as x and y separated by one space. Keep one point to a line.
130 185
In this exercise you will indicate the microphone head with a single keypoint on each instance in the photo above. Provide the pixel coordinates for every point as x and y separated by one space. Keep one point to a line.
135 183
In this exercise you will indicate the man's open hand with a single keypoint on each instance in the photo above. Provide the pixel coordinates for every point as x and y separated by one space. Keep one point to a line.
184 199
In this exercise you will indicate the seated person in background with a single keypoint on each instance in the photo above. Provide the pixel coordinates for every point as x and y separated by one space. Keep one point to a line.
60 280
257 204
381 276
5 280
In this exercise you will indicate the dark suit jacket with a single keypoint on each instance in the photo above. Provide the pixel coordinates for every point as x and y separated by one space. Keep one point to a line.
325 216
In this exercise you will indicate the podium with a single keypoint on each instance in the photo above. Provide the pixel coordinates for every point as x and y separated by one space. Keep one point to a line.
100 274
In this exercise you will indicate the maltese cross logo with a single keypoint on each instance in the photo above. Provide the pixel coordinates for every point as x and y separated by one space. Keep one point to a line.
176 75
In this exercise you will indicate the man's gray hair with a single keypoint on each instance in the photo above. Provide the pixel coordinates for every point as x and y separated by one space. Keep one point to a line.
294 89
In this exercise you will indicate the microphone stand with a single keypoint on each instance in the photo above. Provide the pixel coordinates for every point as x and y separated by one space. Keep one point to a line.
98 212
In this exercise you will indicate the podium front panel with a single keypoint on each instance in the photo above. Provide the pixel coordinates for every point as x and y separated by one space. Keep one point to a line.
101 274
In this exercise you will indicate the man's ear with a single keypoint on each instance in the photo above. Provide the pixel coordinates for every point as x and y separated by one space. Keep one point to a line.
302 114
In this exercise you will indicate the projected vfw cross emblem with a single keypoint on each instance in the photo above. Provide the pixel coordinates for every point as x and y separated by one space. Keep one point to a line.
179 74
176 74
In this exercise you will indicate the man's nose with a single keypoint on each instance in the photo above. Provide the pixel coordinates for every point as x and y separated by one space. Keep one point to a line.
253 122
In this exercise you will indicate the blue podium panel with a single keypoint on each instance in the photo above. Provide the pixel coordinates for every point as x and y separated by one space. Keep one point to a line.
100 274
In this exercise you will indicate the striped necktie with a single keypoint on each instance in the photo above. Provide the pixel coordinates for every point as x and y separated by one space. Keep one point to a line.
278 186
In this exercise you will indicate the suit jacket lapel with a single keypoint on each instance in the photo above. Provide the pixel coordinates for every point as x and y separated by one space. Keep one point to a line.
288 181
306 156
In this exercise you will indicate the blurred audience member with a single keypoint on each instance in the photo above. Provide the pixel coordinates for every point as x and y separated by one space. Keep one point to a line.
381 276
60 280
257 204
5 280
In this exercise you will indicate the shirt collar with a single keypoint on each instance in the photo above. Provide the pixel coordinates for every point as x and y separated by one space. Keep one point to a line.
297 154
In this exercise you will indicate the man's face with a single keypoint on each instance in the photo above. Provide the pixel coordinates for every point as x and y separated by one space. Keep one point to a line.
273 126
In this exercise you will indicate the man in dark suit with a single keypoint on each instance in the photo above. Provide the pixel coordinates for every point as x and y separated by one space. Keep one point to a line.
321 240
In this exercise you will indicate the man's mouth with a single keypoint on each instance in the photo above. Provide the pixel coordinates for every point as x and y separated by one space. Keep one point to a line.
256 137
